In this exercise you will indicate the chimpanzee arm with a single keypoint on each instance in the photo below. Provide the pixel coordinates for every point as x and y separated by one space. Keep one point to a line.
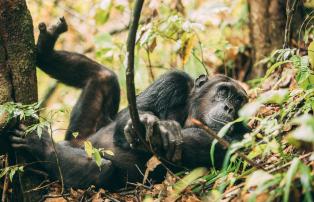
78 170
167 99
196 149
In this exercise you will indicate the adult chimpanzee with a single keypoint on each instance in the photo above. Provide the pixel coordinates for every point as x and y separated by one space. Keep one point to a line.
166 109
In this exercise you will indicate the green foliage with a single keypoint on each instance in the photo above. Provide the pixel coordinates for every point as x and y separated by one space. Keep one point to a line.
20 111
96 153
11 170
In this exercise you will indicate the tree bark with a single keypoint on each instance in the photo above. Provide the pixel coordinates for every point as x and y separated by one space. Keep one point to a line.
18 80
267 25
267 29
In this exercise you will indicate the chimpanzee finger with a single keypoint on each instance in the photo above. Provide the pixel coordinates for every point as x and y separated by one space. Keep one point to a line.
19 146
17 140
149 126
19 133
164 137
172 145
177 156
22 127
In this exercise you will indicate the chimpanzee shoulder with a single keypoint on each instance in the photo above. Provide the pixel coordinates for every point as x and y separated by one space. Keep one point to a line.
166 98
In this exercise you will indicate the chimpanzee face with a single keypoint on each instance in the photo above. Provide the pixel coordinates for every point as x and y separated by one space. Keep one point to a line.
217 100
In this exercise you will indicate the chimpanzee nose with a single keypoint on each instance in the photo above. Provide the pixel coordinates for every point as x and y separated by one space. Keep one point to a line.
228 109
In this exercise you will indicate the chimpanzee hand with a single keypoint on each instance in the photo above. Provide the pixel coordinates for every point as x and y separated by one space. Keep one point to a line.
39 146
163 136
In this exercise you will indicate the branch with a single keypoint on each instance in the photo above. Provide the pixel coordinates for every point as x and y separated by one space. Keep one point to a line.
130 70
225 143
289 13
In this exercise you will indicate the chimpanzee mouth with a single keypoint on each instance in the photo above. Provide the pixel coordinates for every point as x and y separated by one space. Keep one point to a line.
223 122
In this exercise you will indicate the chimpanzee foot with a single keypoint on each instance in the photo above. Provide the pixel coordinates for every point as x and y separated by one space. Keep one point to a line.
54 30
164 136
59 28
48 37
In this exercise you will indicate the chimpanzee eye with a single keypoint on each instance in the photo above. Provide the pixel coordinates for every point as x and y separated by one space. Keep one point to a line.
222 93
238 101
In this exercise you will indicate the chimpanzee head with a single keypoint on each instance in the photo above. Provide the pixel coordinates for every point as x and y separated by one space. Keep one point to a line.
215 101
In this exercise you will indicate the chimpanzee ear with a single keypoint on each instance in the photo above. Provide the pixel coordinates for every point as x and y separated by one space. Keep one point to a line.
201 80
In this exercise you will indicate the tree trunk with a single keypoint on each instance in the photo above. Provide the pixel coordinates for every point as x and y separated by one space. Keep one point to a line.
267 28
18 81
267 25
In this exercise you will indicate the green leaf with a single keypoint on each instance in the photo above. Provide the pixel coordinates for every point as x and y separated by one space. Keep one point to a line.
88 148
75 134
305 132
187 180
39 131
275 96
223 131
311 54
148 198
109 152
250 109
97 157
272 68
290 177
306 181
4 171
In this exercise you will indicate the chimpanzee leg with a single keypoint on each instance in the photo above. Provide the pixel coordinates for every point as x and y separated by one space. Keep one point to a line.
96 106
78 170
99 101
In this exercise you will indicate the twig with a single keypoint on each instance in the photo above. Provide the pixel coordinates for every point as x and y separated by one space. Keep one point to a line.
6 183
130 71
202 54
289 163
289 12
57 159
54 196
225 143
41 186
150 67
138 127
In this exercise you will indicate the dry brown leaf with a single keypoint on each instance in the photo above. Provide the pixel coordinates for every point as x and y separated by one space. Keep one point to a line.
59 199
187 49
151 164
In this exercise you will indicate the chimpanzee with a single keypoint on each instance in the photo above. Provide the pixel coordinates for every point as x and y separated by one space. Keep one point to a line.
166 109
